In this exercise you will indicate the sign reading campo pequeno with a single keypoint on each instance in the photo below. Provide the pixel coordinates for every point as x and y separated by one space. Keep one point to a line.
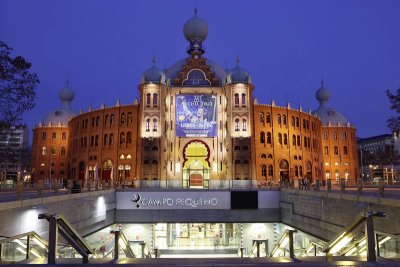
173 200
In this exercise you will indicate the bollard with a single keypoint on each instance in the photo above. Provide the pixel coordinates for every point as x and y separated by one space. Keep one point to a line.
342 185
381 188
328 185
359 185
241 251
156 252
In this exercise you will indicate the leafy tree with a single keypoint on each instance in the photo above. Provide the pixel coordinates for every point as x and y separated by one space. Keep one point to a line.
17 86
394 121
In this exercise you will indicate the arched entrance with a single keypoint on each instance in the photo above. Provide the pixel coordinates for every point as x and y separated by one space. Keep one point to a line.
284 171
106 172
196 166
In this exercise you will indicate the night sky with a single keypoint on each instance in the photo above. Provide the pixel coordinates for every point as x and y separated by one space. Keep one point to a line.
103 47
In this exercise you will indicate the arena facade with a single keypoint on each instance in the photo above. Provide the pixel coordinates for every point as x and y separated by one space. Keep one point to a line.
195 125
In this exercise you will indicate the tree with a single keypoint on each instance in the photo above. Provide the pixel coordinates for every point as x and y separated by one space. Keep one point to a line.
394 122
17 86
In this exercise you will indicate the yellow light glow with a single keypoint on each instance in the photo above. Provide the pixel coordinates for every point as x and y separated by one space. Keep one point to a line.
21 250
20 243
362 243
277 252
384 240
35 253
351 251
121 243
284 242
39 243
343 242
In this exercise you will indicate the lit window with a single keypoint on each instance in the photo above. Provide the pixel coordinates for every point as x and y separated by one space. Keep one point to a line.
244 125
148 125
54 136
44 151
243 100
237 125
155 125
236 100
155 100
336 164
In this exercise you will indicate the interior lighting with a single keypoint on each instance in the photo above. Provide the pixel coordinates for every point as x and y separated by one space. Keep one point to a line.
35 253
39 242
351 251
122 244
21 250
277 252
340 244
384 240
20 243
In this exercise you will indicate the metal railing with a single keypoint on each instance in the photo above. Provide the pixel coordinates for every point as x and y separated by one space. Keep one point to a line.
22 247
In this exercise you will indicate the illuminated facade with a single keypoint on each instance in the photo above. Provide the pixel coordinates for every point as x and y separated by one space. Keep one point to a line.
195 125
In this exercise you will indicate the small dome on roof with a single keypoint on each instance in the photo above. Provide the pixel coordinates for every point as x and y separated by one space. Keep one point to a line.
326 114
195 29
238 75
62 115
154 74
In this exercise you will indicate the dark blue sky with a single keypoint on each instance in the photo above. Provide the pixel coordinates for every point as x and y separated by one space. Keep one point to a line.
103 47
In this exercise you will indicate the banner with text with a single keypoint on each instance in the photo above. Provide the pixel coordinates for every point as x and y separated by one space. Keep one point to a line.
174 200
196 115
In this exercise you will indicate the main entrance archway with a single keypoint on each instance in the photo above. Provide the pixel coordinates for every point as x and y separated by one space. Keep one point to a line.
196 165
284 171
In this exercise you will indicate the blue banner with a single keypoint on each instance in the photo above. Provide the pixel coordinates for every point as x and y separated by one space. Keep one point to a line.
196 115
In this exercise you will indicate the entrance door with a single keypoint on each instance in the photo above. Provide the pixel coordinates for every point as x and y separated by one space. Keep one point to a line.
196 168
284 171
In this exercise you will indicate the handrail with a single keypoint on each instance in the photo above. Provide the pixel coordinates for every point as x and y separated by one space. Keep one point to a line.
312 245
59 223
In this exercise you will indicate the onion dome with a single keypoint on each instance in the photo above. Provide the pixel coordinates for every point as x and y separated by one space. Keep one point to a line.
62 115
326 114
238 74
195 29
154 74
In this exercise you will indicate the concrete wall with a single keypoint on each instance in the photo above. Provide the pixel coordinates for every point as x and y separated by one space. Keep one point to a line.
325 214
87 212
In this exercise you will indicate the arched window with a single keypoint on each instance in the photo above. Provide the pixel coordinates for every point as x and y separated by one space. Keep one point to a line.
326 149
270 171
325 135
155 100
305 141
93 121
54 136
336 150
294 140
236 100
123 117
129 117
293 121
92 141
147 125
44 135
111 139
85 142
295 157
122 138
122 156
237 125
298 140
278 119
285 139
105 120
262 138
261 117
301 171
243 100
337 175
296 171
44 151
196 77
105 140
335 135
280 138
62 151
344 136
297 122
148 100
284 119
112 119
263 156
53 151
128 156
96 141
268 118
269 156
269 138
264 170
244 125
237 148
128 137
127 170
97 121
155 125
345 150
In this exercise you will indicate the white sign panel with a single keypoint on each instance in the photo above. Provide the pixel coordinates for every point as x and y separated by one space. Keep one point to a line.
174 200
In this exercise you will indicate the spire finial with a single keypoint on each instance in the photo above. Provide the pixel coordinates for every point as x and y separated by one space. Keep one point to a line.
154 60
237 60
322 80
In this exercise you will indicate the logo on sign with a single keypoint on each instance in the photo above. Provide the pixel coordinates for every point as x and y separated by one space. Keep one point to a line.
136 199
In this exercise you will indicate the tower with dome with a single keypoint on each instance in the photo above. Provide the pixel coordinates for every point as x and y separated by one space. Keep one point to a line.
195 125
